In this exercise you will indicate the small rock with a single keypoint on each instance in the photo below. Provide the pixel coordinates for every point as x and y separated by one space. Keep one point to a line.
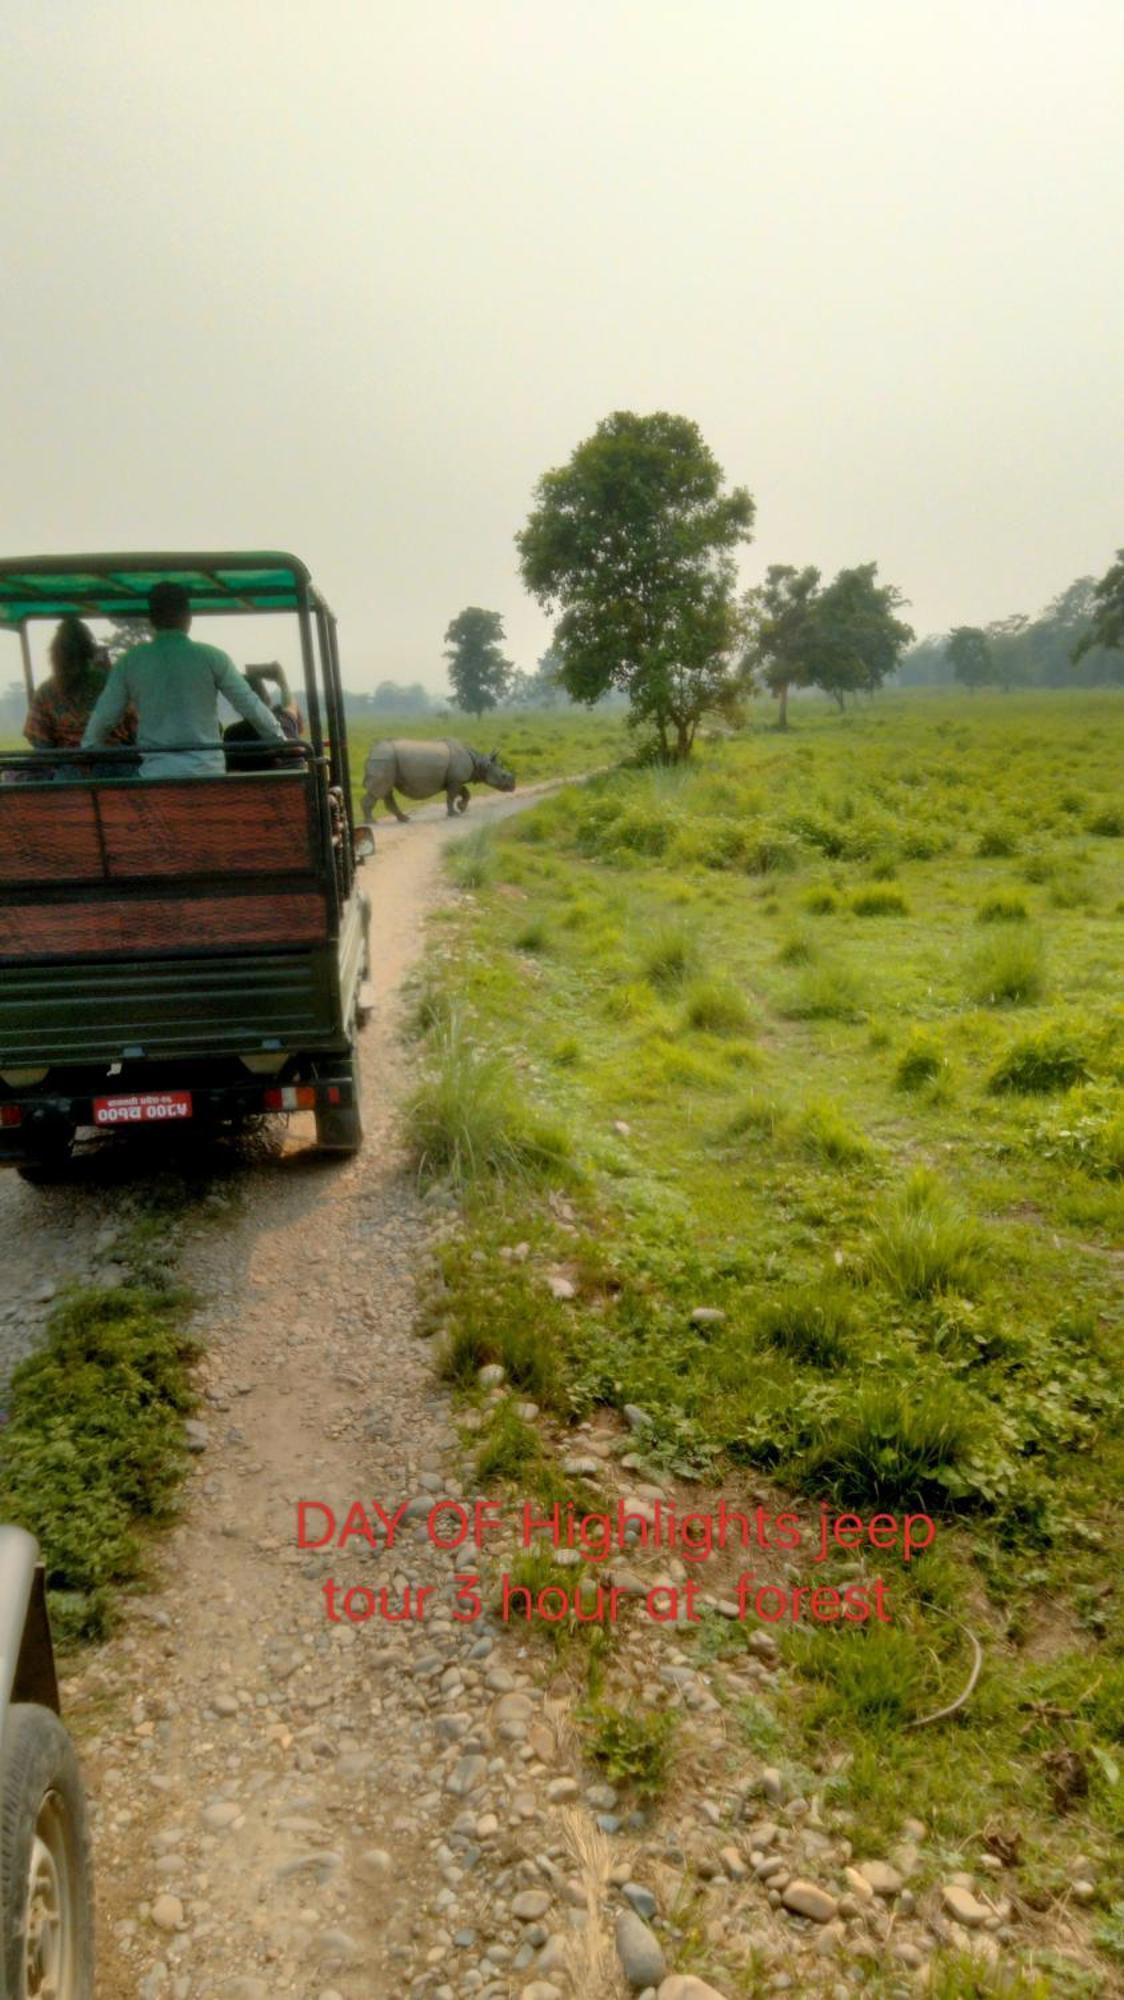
1083 1890
491 1375
541 1989
167 1913
562 1288
772 1784
196 1435
684 1986
965 1907
642 1900
809 1901
636 1418
733 1864
639 1951
884 1880
531 1904
561 1789
706 1316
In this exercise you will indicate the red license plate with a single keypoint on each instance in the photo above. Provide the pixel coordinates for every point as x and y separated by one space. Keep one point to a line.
147 1107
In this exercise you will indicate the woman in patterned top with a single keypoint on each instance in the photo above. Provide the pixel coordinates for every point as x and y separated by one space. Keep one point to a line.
60 708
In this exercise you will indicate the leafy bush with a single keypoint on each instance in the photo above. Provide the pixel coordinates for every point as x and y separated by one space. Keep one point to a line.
1052 1059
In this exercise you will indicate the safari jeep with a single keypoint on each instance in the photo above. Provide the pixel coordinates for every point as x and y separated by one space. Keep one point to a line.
179 949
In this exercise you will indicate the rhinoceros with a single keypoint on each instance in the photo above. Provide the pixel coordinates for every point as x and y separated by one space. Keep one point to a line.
419 769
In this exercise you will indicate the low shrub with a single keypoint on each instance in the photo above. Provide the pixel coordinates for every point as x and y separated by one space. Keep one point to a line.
997 843
880 903
921 1062
828 991
1109 823
821 902
895 1447
718 1007
671 955
1008 968
468 1118
1002 909
924 1245
814 1324
1052 1059
824 1134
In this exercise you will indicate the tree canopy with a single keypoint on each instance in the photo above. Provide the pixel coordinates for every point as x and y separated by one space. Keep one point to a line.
478 671
843 638
970 653
632 542
1107 627
781 629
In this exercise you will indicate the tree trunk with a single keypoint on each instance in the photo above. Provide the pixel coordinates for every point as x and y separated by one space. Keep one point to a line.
782 713
839 699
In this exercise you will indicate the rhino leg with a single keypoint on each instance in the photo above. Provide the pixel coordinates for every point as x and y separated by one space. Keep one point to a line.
458 797
390 800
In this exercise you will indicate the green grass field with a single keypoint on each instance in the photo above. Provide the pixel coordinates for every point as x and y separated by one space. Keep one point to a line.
825 1033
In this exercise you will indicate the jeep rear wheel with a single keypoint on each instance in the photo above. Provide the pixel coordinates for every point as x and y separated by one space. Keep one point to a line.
339 1127
45 1874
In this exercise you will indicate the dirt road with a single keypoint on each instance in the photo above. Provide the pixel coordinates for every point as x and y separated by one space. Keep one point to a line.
287 1805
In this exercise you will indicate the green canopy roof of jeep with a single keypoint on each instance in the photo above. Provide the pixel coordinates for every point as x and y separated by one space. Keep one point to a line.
118 586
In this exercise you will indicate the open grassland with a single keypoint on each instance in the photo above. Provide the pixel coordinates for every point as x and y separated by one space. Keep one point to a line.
535 745
824 1034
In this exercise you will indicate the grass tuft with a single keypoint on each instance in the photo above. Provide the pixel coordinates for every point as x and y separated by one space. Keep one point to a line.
824 1134
468 1120
814 1324
1007 968
1052 1059
671 956
880 903
921 1062
892 1446
718 1007
1002 909
924 1245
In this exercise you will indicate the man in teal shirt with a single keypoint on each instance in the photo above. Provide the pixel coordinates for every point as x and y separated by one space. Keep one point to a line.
174 684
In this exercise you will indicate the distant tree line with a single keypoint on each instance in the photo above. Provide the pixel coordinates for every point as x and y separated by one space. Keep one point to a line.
1077 641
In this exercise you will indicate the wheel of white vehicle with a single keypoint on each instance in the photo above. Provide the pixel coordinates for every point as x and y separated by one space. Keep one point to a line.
46 1899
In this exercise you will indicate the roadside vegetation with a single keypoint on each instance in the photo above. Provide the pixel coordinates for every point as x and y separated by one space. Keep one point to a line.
825 1035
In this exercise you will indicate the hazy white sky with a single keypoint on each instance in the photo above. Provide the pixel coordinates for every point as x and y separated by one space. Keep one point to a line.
347 276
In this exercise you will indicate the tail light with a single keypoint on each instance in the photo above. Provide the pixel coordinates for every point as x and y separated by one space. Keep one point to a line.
290 1097
11 1114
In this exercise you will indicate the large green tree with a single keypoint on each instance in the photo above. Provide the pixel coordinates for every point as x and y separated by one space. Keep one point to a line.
857 640
781 630
632 543
1107 627
969 650
479 673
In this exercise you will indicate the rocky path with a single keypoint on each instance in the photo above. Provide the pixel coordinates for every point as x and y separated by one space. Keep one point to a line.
286 1804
